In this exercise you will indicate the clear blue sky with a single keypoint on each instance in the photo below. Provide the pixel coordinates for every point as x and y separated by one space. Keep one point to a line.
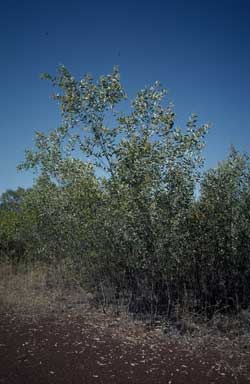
199 50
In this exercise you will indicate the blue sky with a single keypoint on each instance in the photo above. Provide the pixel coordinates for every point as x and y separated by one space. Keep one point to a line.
199 50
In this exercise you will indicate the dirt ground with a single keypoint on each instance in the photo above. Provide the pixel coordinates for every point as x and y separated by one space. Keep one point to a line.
93 348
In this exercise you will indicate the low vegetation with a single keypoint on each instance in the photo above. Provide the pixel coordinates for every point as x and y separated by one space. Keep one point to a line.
115 202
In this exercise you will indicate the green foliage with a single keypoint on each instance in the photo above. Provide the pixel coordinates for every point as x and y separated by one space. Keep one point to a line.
115 196
221 252
11 200
12 246
147 133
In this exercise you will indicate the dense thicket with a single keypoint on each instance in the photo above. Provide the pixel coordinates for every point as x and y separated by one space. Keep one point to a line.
115 198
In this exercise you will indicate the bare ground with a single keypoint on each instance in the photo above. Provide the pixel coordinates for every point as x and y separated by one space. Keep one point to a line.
94 348
52 335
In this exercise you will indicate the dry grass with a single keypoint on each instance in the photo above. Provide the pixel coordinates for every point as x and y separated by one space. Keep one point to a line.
39 290
227 336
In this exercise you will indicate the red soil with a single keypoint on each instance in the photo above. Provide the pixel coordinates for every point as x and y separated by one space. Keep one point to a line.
86 350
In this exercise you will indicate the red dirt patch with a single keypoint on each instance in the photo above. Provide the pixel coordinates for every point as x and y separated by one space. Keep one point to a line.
91 349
